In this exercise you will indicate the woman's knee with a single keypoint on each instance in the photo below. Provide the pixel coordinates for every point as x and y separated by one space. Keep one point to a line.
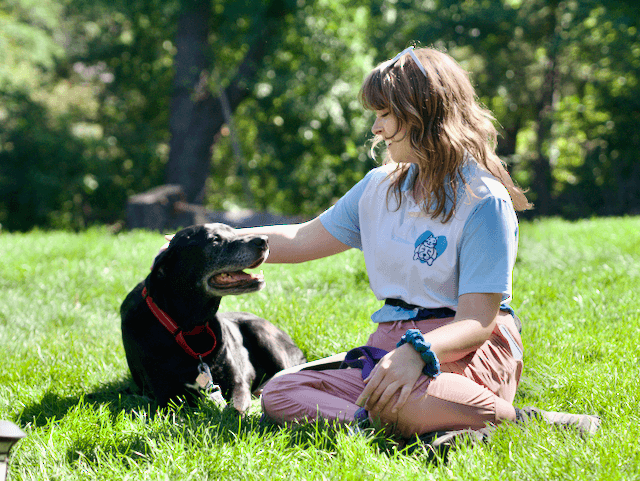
275 391
448 402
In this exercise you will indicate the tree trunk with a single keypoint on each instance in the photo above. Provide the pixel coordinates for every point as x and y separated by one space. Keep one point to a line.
196 116
542 176
507 141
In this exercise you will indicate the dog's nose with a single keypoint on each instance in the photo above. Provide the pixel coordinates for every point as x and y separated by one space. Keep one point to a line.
259 241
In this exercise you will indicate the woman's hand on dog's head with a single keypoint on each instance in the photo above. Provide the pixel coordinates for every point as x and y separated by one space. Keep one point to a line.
168 238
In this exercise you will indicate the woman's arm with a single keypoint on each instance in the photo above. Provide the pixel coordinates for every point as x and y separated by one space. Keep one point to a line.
294 243
400 369
474 322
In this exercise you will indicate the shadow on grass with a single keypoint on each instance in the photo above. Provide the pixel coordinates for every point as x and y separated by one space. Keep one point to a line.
325 435
119 395
179 421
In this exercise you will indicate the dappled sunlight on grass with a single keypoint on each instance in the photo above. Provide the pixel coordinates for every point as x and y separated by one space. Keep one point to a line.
65 380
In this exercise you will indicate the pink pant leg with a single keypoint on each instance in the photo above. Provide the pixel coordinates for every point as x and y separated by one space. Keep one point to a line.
449 402
307 395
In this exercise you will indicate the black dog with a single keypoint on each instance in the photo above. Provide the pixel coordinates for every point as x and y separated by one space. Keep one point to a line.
174 337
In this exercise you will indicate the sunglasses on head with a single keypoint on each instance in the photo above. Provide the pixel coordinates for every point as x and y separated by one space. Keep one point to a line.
408 50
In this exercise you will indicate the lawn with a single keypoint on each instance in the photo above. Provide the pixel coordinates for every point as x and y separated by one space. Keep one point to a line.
64 378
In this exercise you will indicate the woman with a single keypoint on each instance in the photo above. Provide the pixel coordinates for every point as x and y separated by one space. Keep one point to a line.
438 230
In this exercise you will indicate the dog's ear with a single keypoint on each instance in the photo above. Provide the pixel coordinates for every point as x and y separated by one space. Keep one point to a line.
158 267
158 272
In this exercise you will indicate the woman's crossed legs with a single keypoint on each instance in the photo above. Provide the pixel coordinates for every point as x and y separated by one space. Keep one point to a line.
469 393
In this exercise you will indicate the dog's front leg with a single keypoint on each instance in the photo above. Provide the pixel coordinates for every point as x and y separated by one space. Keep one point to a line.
241 397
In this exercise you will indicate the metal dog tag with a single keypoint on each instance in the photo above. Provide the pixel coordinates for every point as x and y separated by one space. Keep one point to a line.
215 395
204 379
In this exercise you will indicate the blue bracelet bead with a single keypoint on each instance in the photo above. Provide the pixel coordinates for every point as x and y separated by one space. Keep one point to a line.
432 364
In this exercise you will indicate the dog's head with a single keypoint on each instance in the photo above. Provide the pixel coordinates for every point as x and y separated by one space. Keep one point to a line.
209 261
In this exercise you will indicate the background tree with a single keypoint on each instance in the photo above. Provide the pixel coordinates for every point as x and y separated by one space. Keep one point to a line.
87 116
89 125
303 129
537 65
199 101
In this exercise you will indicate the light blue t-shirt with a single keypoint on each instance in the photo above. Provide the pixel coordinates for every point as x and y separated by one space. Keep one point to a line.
420 260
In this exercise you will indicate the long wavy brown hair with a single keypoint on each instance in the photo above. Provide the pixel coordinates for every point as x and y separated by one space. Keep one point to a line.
445 122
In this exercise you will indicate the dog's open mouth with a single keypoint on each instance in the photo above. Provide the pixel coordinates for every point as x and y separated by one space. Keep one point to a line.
228 280
238 279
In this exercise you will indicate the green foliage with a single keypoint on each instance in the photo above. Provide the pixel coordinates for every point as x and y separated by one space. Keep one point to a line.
87 127
506 45
593 85
303 130
85 90
27 44
65 380
604 114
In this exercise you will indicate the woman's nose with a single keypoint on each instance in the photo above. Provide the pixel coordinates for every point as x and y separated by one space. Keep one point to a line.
376 127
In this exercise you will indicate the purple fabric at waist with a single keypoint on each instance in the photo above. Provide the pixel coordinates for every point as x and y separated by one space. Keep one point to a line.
363 357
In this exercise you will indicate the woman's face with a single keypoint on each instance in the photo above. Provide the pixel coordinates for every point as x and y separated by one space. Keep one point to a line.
398 145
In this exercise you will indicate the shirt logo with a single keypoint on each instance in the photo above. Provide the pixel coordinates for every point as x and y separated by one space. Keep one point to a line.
429 248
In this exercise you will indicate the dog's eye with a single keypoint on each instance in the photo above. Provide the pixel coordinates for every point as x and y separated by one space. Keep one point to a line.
216 239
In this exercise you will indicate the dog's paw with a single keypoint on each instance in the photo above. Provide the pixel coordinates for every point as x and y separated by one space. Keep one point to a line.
241 400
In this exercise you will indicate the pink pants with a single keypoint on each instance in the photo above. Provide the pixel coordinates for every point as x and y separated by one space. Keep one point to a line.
469 393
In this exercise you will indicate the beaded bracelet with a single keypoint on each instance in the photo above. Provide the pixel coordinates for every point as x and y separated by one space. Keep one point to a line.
414 337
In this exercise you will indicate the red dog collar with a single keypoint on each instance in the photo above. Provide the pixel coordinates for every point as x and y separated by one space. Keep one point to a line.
177 333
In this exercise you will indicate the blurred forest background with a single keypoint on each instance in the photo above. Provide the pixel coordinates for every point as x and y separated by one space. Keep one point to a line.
253 103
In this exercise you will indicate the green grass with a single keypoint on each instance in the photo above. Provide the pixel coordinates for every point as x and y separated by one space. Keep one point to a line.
64 378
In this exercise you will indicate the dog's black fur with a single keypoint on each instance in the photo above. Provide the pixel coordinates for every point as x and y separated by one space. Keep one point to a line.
187 281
